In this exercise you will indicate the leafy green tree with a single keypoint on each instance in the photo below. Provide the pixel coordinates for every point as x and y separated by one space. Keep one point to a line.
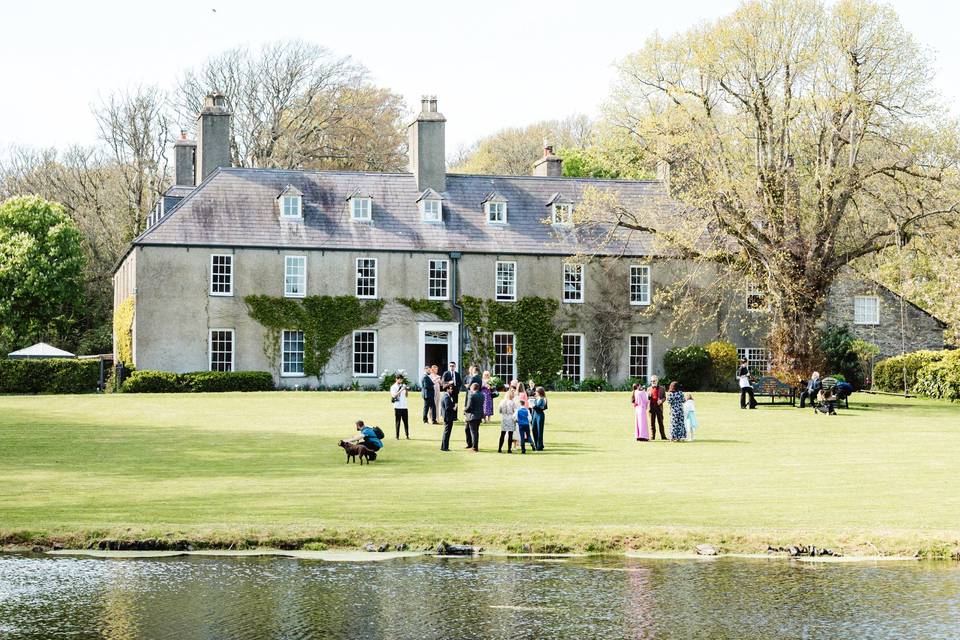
41 267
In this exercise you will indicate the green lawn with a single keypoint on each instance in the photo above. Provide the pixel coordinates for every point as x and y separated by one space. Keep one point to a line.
225 468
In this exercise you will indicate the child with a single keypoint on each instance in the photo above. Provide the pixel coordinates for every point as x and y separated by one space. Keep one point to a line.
690 416
523 423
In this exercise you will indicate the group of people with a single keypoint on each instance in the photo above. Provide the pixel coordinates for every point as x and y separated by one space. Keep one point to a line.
522 409
649 401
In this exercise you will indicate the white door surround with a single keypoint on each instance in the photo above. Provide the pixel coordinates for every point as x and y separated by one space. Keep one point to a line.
453 343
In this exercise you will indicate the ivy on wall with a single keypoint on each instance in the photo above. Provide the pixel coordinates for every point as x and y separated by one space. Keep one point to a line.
438 308
532 320
324 320
123 330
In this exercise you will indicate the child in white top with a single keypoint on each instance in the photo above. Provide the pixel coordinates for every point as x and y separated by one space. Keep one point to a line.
689 417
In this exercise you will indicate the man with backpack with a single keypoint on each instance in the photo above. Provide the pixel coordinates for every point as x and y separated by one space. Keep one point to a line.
370 437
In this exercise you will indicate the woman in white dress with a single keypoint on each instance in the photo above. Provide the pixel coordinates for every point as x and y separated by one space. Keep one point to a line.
508 421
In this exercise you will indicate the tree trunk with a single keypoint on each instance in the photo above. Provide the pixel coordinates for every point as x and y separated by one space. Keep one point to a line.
795 313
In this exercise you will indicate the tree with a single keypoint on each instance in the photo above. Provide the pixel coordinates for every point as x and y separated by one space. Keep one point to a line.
41 266
297 105
512 151
800 139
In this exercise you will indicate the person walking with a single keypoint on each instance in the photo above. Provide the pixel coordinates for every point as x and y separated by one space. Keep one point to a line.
473 415
641 405
539 409
452 376
675 399
508 420
657 395
429 400
486 388
398 396
746 387
448 410
523 424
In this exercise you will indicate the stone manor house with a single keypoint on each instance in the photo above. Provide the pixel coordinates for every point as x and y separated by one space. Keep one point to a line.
222 233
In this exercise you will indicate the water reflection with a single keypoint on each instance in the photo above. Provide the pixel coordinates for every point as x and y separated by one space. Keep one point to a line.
182 598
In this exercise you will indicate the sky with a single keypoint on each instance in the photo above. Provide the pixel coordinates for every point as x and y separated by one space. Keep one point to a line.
491 64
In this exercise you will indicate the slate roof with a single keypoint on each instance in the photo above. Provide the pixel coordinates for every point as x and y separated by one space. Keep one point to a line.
237 207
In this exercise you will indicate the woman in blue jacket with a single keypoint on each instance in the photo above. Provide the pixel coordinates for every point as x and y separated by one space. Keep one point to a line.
538 407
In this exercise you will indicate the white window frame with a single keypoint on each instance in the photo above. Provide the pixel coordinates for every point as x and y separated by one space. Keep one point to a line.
446 280
557 218
233 349
361 209
283 372
213 257
491 206
297 206
496 282
876 308
513 354
644 299
754 355
580 271
581 345
353 353
356 283
754 289
423 210
286 276
649 363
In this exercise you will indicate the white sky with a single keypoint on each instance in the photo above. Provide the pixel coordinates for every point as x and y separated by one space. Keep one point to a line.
492 64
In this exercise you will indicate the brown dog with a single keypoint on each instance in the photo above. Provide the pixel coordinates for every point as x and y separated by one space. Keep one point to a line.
355 451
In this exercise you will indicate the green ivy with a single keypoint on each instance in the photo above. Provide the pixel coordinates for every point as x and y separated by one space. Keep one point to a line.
438 308
324 320
533 322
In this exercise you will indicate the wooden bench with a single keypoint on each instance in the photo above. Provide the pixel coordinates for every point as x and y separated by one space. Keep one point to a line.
770 386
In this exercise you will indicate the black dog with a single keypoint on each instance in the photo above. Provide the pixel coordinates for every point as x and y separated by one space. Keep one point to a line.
355 451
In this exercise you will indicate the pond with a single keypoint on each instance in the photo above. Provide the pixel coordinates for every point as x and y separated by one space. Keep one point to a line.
598 597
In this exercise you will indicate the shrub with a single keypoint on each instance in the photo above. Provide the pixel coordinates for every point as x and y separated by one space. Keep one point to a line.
217 381
153 382
723 364
888 374
940 378
387 378
690 366
54 375
565 384
595 384
838 346
198 382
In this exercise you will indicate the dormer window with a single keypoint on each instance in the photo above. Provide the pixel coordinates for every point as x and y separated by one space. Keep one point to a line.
495 208
561 210
291 204
361 206
431 206
562 213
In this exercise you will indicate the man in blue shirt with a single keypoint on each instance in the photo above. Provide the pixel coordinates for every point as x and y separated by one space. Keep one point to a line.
368 436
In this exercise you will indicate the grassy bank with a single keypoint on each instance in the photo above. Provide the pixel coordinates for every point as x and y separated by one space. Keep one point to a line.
246 470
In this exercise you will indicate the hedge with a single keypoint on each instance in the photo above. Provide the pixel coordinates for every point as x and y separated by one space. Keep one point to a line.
198 382
888 374
54 375
940 378
689 366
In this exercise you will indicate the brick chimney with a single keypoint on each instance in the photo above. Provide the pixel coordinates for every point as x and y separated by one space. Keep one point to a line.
184 157
213 136
550 165
428 162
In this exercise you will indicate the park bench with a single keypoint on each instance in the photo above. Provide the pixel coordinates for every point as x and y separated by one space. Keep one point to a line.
770 386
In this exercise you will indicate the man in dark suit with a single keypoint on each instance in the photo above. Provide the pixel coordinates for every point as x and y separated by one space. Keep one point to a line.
452 376
469 380
810 393
473 414
429 399
448 407
657 396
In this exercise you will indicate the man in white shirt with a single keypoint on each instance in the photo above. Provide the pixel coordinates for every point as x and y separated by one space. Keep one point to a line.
746 387
398 396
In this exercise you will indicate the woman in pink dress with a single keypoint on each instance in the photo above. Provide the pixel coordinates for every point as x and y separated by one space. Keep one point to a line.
641 402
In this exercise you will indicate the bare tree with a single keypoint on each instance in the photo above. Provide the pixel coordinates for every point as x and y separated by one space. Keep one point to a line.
297 105
800 139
